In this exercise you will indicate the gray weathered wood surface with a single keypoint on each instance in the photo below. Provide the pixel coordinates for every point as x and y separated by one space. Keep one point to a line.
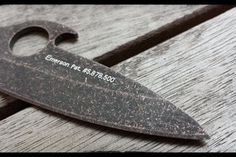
195 70
101 28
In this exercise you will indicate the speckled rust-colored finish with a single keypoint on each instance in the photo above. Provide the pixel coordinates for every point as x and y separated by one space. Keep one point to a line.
121 103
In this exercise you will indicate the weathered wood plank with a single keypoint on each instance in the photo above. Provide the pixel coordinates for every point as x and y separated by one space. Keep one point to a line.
101 28
195 70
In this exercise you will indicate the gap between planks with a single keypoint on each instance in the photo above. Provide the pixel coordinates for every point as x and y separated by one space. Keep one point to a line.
160 35
10 105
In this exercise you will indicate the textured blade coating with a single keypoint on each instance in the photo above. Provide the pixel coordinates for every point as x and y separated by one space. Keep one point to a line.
50 80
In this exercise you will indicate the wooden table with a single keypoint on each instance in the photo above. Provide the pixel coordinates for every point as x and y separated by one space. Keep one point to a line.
185 53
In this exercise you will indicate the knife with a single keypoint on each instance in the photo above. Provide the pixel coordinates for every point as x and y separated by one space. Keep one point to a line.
80 88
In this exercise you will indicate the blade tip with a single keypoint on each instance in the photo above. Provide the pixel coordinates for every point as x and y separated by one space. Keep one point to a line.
202 135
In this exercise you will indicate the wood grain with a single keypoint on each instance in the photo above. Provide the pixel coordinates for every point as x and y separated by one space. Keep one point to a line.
195 70
101 28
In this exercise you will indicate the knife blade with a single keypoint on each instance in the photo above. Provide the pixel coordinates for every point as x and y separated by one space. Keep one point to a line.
80 88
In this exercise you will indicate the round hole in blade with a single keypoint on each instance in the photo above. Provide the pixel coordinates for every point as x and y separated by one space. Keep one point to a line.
29 41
